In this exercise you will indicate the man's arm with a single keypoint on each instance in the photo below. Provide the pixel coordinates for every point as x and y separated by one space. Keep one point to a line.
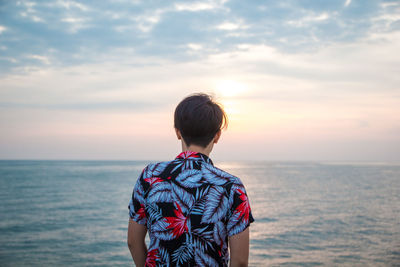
136 243
239 249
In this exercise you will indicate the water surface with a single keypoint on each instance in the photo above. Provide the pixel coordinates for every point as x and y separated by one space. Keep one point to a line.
74 213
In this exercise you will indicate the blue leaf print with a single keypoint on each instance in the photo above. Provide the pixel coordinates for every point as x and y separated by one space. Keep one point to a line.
190 178
216 176
164 255
201 194
183 198
202 238
233 191
219 233
183 254
131 209
189 225
160 192
201 231
236 224
203 260
155 169
188 205
178 163
154 244
154 212
207 160
138 192
216 207
199 244
188 164
160 231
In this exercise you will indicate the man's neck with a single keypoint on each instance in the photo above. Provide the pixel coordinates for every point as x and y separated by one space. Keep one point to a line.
203 150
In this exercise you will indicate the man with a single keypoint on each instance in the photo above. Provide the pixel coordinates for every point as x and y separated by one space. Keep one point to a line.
191 209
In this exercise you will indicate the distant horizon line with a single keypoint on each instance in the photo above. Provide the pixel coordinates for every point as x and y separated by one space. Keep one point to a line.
223 160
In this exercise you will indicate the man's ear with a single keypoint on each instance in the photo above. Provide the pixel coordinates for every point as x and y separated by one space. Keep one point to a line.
217 136
178 134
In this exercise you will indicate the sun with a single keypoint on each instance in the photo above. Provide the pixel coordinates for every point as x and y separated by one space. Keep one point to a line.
228 93
229 88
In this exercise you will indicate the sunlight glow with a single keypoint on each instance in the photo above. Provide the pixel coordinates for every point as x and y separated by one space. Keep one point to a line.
229 88
228 92
230 107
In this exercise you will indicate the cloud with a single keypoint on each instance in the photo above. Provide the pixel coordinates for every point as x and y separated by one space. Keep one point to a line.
195 47
84 106
32 17
339 96
30 11
42 59
2 29
72 20
10 59
71 5
75 24
309 19
353 64
145 23
193 7
228 26
388 19
80 33
322 74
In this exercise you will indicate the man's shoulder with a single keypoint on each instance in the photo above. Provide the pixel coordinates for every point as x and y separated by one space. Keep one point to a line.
212 173
155 168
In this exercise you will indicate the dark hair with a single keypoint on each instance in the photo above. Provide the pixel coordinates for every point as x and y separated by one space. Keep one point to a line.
199 118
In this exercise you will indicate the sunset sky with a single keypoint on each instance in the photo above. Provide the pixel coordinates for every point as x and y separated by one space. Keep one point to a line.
300 80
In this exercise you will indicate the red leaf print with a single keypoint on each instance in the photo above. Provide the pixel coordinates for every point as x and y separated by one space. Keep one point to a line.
141 212
178 223
187 155
153 180
244 207
220 249
151 258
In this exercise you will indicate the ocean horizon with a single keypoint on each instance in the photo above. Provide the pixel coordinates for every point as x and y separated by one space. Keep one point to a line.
307 213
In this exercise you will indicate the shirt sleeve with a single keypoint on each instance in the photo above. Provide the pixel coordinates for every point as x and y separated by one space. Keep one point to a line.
137 203
240 216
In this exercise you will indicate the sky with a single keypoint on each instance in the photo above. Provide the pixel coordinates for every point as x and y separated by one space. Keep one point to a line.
300 80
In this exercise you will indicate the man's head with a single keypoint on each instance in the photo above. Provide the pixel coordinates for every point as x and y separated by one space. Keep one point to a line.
199 119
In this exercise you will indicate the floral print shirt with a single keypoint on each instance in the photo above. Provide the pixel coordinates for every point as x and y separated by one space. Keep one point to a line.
190 208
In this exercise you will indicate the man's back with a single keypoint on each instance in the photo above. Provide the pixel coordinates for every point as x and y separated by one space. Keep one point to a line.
190 208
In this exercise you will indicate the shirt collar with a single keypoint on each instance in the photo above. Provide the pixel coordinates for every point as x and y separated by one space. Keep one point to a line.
185 155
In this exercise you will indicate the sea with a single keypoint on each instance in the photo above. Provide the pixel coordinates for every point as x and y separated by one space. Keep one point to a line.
75 213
